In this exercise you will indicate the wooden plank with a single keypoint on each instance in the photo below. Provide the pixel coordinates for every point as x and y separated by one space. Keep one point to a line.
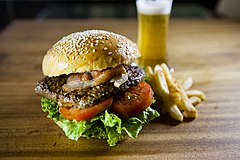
207 50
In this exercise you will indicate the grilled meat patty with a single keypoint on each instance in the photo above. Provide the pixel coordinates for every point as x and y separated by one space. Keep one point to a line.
52 88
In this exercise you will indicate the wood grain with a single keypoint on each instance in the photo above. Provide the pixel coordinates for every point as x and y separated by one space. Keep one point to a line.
207 50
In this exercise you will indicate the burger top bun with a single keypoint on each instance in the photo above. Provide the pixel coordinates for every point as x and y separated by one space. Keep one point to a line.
88 50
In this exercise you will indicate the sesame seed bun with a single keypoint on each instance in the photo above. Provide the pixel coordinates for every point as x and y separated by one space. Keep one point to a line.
88 50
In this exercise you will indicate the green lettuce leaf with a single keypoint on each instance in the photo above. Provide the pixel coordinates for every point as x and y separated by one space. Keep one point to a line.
106 125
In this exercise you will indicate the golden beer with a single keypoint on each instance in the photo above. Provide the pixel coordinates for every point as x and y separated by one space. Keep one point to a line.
152 35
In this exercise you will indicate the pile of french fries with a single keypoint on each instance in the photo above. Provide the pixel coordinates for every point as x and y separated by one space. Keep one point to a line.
178 100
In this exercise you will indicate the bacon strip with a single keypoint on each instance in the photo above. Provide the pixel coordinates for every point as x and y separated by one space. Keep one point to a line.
91 79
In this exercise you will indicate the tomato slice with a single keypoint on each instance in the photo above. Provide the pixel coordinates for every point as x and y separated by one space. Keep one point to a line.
132 101
86 113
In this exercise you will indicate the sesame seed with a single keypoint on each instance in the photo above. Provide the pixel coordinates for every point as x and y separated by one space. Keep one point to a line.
93 50
109 53
105 48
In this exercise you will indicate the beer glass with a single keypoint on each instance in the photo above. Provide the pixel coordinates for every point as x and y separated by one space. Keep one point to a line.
153 18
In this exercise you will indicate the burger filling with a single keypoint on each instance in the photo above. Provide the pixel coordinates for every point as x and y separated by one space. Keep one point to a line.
83 90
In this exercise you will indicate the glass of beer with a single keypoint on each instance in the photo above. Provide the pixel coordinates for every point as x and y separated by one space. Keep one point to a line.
153 18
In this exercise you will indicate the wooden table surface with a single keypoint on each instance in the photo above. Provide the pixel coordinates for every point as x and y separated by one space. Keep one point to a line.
207 50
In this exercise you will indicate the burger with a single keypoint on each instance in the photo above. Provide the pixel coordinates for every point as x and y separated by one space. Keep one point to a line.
93 89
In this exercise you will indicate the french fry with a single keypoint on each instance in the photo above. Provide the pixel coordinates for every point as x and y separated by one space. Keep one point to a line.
190 114
175 96
161 82
149 71
187 84
186 102
157 68
175 113
167 75
196 93
195 100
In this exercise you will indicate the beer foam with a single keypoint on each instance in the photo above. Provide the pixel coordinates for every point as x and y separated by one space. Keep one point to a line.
154 7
